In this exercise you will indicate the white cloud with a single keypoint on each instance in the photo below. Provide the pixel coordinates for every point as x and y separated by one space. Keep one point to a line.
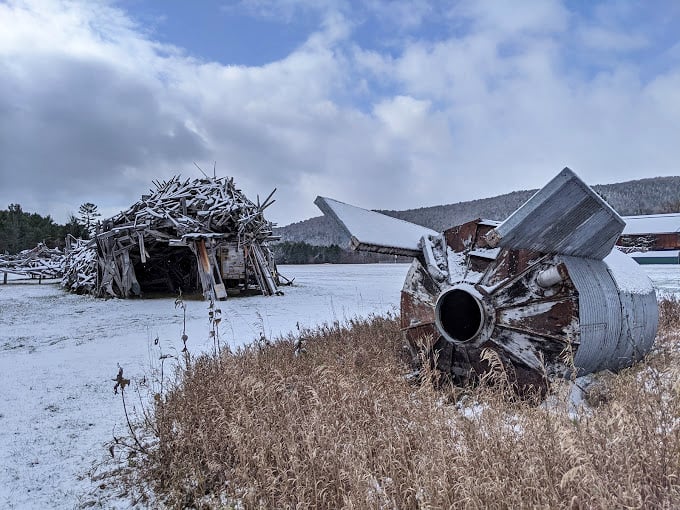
95 109
522 16
92 109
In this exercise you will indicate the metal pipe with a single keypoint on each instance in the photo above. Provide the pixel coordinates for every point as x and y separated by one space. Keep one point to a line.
459 314
549 277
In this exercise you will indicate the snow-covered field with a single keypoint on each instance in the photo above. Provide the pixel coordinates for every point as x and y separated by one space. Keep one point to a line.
59 353
666 278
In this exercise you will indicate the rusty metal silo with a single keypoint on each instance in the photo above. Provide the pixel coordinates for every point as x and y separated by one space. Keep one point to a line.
546 290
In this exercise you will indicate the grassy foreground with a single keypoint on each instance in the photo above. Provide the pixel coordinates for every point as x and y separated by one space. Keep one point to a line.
341 427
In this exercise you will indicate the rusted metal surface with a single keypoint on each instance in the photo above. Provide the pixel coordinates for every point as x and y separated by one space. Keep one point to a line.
417 306
530 327
651 241
543 290
509 264
471 234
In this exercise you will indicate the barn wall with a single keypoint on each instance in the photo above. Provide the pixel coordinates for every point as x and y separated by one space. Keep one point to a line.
651 241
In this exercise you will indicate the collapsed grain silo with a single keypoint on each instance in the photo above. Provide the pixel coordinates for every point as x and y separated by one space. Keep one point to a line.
184 236
545 292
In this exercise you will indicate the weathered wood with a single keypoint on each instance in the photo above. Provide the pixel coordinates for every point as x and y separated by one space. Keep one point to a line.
202 216
142 250
40 261
205 272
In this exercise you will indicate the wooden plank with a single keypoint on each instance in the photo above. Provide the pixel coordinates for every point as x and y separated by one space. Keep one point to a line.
220 291
142 249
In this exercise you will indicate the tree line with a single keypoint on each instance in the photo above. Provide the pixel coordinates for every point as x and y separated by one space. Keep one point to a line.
303 253
655 195
21 230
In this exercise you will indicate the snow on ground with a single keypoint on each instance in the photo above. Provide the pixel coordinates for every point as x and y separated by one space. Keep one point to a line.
665 277
59 353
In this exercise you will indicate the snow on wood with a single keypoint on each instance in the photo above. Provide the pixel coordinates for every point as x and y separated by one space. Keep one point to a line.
176 237
180 237
79 268
39 262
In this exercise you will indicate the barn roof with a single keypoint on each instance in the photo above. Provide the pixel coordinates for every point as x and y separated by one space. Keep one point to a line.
652 224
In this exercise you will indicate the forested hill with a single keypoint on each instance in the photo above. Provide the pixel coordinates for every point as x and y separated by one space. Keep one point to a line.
644 196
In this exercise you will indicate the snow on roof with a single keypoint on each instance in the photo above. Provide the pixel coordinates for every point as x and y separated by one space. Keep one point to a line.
629 277
373 231
652 224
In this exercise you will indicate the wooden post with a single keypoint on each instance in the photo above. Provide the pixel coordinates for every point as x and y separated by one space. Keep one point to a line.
205 270
220 289
4 279
142 249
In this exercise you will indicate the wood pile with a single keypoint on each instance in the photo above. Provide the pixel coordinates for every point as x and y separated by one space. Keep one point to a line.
207 205
184 236
39 262
175 239
79 266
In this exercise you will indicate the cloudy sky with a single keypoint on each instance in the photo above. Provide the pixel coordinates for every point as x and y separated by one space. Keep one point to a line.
382 103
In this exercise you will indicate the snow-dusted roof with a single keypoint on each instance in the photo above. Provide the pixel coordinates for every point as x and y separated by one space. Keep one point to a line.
652 224
373 231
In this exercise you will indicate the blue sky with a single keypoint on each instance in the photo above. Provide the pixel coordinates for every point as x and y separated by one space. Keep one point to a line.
224 32
384 103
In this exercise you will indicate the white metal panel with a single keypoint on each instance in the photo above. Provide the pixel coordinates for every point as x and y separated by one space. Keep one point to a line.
373 231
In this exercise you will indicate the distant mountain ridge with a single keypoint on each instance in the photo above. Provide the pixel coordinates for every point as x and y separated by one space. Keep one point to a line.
644 196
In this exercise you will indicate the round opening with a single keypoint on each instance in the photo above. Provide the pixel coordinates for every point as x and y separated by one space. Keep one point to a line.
459 315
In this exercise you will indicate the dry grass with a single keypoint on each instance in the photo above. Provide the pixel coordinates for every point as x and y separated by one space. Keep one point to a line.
341 427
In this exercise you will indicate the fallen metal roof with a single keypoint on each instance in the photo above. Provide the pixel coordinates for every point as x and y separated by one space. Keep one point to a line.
373 231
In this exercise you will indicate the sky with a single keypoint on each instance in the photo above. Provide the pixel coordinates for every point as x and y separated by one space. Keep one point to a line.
385 104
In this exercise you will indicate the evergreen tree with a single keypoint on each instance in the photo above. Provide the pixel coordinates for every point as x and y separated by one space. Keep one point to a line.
88 212
20 230
12 227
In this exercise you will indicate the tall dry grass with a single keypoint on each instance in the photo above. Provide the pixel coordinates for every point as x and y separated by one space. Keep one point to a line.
341 427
